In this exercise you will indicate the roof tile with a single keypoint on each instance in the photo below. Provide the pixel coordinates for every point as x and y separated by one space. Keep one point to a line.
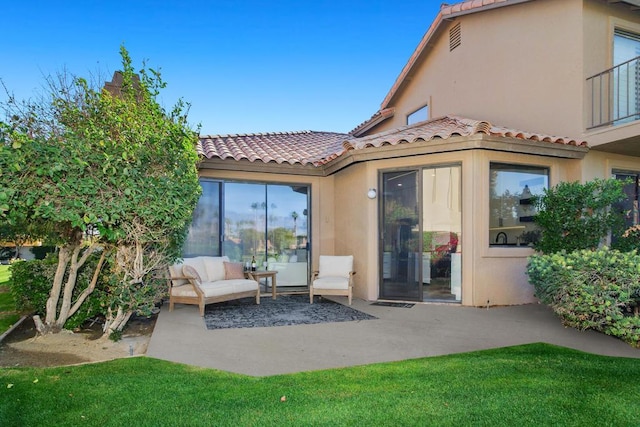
319 148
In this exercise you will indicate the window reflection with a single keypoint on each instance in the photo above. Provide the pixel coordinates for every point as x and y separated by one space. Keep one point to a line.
511 208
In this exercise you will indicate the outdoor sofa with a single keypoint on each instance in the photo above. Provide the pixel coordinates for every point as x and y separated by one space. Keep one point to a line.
205 280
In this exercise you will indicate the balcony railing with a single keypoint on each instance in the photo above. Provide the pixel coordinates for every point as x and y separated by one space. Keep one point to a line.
615 95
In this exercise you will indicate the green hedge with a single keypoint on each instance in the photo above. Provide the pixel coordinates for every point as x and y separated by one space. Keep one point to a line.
597 290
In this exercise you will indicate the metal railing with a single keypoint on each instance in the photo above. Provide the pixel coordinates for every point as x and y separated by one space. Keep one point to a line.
615 95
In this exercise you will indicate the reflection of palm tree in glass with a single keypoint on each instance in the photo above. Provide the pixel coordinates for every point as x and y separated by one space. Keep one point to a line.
294 215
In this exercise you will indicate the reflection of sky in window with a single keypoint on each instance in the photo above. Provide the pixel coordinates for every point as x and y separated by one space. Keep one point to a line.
280 201
516 181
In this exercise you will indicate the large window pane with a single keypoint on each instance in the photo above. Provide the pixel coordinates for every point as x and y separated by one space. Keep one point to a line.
203 237
401 236
287 233
441 237
511 210
245 216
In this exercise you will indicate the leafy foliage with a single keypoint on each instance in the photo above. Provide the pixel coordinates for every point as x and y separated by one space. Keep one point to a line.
30 284
597 290
84 164
574 216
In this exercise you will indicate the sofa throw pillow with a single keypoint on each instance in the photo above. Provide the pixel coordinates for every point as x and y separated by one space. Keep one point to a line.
233 270
191 273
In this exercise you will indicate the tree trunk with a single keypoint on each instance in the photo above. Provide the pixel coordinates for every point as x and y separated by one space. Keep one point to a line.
115 323
70 260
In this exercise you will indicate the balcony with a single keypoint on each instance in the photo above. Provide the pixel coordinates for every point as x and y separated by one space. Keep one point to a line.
615 95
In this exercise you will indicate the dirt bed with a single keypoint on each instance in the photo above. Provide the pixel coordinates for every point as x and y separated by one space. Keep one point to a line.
22 347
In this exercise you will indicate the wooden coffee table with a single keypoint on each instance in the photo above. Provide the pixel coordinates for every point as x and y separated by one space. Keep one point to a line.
257 275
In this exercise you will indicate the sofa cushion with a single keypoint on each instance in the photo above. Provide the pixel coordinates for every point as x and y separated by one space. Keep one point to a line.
214 268
191 273
198 264
176 271
233 270
183 291
227 287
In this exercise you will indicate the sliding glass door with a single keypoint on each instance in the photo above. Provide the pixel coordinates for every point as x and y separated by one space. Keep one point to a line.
400 236
421 223
441 232
246 220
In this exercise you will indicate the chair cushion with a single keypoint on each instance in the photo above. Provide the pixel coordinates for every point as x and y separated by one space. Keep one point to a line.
233 270
331 282
336 266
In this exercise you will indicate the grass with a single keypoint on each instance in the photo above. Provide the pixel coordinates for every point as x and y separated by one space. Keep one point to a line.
8 314
531 385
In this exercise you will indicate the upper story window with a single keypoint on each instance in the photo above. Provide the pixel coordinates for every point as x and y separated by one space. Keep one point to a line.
511 210
615 92
420 115
626 87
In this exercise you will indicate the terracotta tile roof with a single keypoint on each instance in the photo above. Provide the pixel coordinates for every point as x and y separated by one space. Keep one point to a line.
471 6
282 147
450 126
319 148
378 117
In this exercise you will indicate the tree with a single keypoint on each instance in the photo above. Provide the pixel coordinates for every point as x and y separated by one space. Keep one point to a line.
85 165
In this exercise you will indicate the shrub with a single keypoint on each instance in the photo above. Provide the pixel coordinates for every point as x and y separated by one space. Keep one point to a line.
31 283
574 216
597 290
629 241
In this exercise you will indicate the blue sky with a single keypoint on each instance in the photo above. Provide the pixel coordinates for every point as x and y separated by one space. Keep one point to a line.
245 66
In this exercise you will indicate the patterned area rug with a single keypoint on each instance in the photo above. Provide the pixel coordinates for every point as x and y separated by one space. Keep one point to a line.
285 310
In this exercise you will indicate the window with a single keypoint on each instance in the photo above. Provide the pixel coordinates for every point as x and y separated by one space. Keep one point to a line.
511 210
420 115
243 220
626 89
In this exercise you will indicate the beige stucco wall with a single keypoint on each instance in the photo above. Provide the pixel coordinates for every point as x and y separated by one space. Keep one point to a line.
518 66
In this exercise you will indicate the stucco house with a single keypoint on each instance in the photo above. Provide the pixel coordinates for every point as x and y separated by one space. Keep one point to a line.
500 99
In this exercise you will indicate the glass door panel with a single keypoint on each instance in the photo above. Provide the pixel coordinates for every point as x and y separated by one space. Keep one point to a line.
203 237
287 234
400 237
442 225
245 208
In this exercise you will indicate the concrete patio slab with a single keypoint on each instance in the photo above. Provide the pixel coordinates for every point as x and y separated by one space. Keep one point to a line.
398 334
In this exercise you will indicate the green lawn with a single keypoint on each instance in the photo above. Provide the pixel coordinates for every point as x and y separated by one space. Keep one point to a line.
4 274
532 385
8 316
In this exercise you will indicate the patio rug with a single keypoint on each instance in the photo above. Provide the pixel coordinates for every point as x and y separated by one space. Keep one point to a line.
285 310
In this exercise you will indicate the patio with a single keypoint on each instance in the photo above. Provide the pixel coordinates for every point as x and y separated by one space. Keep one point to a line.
399 333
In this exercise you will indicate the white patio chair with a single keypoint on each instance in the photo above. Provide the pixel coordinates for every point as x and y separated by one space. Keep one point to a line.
334 277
